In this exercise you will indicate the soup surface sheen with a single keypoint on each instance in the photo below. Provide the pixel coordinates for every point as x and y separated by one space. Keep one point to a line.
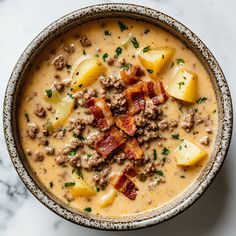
59 120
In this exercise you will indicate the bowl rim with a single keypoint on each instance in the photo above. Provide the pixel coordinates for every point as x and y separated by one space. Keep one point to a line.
124 8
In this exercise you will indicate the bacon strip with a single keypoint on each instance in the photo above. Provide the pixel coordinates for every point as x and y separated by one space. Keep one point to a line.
124 185
132 150
132 75
126 123
156 92
101 113
135 98
109 142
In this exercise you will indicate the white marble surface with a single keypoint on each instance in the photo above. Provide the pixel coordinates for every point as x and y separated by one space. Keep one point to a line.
22 215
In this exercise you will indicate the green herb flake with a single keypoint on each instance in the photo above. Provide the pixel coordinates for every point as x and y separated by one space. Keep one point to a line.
68 67
70 95
159 172
180 84
180 147
118 52
201 100
180 61
146 31
73 152
135 42
214 111
49 93
175 136
97 188
133 56
88 209
182 177
154 154
150 71
104 56
165 151
122 26
195 110
51 184
172 64
96 55
126 66
164 159
68 184
146 49
27 117
78 172
84 52
89 155
79 137
107 33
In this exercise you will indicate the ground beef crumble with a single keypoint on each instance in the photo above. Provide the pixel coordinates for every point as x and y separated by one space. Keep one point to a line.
109 82
32 130
188 120
39 110
101 179
59 62
85 42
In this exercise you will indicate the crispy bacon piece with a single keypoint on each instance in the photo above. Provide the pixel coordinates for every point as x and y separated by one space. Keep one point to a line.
101 113
156 92
135 97
132 150
126 123
132 75
130 170
123 184
109 142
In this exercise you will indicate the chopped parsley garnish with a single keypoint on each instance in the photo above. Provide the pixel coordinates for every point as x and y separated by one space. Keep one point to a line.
105 56
70 95
180 84
49 92
88 209
142 177
80 85
107 33
201 100
180 147
150 71
195 110
68 67
126 66
146 31
51 184
180 61
133 56
84 52
27 117
164 159
97 188
122 26
73 152
96 55
165 151
175 136
68 184
159 172
89 155
154 154
146 49
135 42
214 111
118 52
182 176
78 136
78 172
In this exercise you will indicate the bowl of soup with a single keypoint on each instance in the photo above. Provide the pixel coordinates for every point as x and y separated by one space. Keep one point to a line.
117 117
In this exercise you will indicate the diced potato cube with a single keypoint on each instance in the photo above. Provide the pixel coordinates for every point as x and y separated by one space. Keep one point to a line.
62 112
155 60
184 86
87 71
52 96
108 199
81 189
187 153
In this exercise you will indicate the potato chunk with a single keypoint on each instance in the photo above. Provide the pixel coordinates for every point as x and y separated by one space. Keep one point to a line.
184 86
155 60
63 110
86 72
108 199
187 153
82 189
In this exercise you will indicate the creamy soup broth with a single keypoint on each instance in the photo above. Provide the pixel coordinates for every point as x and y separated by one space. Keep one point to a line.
196 122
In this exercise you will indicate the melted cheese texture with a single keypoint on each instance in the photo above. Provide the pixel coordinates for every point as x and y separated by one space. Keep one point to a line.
41 78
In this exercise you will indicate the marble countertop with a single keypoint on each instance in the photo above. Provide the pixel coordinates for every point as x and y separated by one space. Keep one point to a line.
22 215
